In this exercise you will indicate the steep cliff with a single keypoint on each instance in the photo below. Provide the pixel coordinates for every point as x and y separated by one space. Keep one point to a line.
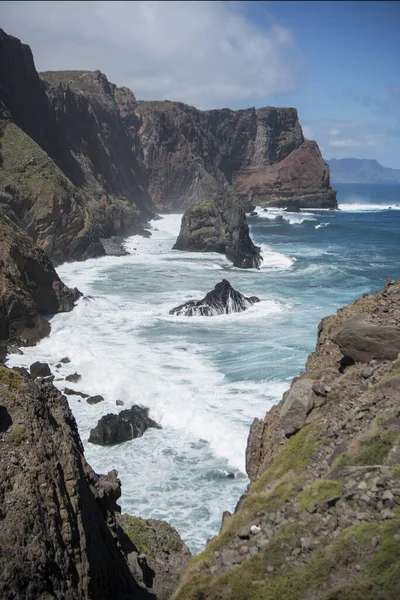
189 155
29 287
61 534
321 517
219 225
68 174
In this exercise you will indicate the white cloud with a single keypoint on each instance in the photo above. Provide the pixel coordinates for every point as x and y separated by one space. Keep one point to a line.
334 131
347 143
203 53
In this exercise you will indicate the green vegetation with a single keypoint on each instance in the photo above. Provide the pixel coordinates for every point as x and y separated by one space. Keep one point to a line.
319 492
203 231
11 379
378 576
296 454
372 451
158 105
138 531
207 205
17 434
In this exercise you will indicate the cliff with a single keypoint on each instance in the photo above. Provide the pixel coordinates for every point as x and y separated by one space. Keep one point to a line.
69 174
188 155
361 170
219 225
321 516
29 287
61 534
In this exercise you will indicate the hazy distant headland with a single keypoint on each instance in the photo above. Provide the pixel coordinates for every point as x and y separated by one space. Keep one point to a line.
361 170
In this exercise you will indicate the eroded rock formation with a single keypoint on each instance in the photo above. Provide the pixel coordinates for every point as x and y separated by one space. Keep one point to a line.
61 535
219 226
321 517
29 287
222 300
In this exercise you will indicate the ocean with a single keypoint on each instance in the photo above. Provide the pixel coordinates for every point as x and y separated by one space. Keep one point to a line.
205 379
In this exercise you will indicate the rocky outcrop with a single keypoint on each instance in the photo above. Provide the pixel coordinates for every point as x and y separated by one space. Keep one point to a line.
29 287
61 534
360 340
188 154
222 300
321 516
219 226
69 173
127 425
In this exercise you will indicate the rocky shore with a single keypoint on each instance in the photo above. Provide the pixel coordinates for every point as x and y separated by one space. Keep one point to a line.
61 532
321 516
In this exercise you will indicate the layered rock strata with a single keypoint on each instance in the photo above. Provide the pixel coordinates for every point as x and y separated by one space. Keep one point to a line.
61 534
189 154
29 287
321 516
219 226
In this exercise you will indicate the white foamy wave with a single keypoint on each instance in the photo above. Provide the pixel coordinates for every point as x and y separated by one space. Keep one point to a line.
292 218
321 225
275 261
359 207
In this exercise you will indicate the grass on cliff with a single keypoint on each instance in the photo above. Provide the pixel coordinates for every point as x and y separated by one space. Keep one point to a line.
138 532
318 492
371 451
27 167
377 574
11 379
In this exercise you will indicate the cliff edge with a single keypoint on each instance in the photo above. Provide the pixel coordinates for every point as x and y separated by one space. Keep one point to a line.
321 516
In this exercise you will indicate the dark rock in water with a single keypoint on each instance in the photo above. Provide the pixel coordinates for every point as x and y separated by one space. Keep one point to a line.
65 360
127 425
58 366
73 378
39 369
13 349
69 392
144 233
222 300
119 403
293 206
114 246
95 399
219 225
230 476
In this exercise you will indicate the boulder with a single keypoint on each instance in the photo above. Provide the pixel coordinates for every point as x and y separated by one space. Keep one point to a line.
94 399
127 425
222 300
39 369
73 377
362 341
298 402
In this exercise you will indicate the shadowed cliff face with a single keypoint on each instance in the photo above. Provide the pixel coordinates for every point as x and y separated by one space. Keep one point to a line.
188 154
61 533
69 172
29 287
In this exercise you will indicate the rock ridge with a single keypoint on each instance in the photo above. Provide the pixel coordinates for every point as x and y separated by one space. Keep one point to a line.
321 516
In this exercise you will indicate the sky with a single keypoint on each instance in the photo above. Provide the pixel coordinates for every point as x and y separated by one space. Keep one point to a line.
338 63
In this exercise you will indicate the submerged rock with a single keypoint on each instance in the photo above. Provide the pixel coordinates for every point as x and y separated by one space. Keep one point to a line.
127 425
222 300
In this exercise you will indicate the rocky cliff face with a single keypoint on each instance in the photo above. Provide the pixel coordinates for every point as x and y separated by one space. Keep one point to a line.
29 287
219 225
69 174
61 534
189 155
321 517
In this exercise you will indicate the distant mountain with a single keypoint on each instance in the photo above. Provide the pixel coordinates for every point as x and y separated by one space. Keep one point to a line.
361 170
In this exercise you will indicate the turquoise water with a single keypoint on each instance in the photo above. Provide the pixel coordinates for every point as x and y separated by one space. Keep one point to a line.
205 379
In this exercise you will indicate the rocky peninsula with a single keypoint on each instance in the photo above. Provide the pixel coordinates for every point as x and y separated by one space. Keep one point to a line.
321 516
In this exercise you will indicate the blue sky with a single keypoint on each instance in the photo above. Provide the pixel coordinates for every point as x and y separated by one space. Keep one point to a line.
336 62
